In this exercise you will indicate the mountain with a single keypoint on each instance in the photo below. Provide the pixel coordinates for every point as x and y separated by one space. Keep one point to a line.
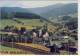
14 9
48 11
56 10
56 13
51 13
40 10
10 12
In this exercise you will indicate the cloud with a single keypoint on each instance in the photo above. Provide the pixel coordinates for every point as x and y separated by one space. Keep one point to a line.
30 4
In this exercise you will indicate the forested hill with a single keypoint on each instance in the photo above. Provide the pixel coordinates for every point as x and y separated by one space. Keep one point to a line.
56 10
16 12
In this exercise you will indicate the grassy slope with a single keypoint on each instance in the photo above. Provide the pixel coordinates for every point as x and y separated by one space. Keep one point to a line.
5 22
3 49
28 22
33 22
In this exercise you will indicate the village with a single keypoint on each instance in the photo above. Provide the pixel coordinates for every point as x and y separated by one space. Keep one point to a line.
39 28
41 36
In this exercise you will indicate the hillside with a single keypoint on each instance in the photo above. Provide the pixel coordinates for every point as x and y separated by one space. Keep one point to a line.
52 13
17 12
56 10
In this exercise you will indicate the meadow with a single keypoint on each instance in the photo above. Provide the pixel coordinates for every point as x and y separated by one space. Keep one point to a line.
10 22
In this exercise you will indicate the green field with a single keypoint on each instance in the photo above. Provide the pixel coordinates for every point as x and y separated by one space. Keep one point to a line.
6 22
10 50
5 48
32 22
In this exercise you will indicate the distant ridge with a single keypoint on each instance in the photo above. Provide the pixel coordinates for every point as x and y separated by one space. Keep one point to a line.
56 10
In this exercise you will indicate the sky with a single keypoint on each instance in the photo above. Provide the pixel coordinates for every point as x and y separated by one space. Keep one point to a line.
30 4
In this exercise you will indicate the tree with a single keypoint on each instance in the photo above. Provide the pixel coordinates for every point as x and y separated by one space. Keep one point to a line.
66 17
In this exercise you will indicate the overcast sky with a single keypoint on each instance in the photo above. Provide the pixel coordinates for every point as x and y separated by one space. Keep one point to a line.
30 4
